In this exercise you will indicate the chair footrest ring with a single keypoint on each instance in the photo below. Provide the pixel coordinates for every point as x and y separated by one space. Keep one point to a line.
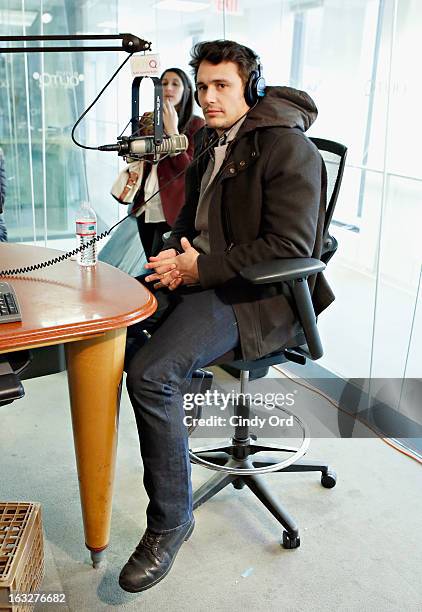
295 456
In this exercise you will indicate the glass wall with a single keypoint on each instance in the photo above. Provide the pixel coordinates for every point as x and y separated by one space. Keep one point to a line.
357 58
41 96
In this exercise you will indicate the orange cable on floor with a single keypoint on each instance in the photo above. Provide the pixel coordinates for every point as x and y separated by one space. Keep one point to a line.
336 405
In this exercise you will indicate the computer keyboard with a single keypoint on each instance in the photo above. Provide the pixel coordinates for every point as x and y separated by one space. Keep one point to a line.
9 305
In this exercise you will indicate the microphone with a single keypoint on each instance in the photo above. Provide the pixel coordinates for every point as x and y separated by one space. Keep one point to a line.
127 146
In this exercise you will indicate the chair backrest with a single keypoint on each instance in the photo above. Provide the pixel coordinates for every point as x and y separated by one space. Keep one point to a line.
334 156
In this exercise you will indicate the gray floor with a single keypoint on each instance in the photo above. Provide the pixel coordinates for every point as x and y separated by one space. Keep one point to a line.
361 541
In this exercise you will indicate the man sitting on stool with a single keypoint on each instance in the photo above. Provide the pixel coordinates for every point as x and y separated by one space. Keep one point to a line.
257 194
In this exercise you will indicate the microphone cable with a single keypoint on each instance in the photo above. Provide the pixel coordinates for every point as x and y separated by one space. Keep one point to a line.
72 134
73 252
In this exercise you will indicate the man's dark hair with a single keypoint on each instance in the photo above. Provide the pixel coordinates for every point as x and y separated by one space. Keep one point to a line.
217 51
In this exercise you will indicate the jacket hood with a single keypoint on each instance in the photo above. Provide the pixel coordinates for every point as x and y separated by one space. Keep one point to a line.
282 107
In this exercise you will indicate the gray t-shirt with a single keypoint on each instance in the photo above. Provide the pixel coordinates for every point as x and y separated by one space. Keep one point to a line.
202 242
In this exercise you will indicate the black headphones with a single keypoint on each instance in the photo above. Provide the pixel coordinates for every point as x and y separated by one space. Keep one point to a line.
254 88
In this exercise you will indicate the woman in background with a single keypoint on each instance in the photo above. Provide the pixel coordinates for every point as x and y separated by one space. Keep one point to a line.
161 211
149 222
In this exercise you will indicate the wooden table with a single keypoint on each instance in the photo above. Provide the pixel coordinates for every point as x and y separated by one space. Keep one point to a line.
88 309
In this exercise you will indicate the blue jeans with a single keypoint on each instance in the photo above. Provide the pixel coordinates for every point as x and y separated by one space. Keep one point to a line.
3 230
191 330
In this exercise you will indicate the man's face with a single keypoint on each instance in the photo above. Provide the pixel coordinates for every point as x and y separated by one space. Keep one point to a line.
220 94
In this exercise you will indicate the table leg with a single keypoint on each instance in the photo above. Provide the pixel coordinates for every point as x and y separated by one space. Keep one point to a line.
94 370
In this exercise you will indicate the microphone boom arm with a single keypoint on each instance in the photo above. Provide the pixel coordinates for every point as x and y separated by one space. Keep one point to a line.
130 43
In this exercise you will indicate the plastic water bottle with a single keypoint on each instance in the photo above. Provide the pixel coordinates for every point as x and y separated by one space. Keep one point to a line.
86 231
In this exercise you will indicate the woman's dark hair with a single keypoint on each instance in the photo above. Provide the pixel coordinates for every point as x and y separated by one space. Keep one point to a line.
217 51
186 103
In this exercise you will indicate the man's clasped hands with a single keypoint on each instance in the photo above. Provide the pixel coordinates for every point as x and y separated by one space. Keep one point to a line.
172 269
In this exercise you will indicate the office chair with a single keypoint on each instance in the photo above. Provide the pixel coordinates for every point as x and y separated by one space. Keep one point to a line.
238 461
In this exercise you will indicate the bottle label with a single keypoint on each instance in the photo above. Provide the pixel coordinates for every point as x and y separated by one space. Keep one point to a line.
86 228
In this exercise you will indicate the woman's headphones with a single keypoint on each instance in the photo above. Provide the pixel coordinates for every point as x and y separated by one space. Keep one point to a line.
254 88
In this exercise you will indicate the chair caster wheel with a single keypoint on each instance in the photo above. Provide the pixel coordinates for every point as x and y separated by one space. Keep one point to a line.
238 483
290 541
329 479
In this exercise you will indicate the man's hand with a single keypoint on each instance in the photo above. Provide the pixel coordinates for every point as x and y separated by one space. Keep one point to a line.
170 118
163 269
172 270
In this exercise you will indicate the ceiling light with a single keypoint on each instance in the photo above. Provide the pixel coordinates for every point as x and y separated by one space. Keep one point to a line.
107 24
17 18
184 6
47 18
304 5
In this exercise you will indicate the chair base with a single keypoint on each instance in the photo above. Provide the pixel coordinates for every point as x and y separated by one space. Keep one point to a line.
242 456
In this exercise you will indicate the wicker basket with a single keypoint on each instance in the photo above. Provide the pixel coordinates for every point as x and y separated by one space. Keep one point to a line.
21 552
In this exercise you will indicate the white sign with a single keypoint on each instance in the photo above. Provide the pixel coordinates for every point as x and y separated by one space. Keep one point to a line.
145 65
60 78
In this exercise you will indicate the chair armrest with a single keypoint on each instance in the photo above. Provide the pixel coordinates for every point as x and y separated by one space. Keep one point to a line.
294 272
282 270
10 386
